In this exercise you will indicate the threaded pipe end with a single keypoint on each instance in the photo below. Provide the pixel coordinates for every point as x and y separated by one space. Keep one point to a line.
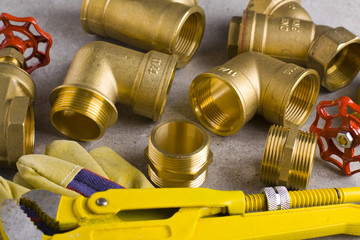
343 67
178 154
80 113
301 160
302 100
210 98
189 36
29 131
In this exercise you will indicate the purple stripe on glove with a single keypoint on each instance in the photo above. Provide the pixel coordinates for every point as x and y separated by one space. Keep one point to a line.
87 183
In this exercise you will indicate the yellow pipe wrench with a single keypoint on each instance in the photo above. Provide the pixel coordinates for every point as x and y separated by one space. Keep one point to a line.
183 213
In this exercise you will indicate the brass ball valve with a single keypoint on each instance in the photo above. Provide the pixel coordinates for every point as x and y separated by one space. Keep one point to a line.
17 92
332 52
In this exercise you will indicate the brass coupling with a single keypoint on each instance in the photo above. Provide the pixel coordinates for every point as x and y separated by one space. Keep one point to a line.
288 157
17 94
168 26
178 154
102 74
333 52
228 96
279 8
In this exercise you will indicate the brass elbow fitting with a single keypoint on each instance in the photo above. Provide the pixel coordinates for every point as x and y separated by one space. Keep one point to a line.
169 26
16 107
102 74
333 52
288 157
279 8
228 96
178 154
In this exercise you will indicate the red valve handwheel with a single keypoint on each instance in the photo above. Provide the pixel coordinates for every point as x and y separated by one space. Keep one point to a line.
349 125
10 31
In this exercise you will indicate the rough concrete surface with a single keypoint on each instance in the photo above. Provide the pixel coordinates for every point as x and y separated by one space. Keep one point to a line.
237 158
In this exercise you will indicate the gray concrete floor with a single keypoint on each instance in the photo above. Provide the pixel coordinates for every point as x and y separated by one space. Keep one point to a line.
237 158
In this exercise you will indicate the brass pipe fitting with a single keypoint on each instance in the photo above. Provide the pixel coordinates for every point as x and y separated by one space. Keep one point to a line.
17 94
279 8
333 52
102 74
168 26
178 154
228 96
288 157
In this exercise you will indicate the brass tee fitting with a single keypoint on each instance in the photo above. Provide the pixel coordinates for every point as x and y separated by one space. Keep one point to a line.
228 96
288 157
102 74
169 26
178 154
279 8
333 52
17 94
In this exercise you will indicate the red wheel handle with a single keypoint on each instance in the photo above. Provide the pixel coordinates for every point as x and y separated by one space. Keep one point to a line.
341 140
14 39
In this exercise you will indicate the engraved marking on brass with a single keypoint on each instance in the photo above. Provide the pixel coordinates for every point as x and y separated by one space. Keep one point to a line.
155 65
228 71
292 6
290 70
287 25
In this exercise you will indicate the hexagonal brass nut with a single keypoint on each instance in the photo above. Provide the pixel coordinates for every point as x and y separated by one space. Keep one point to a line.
19 135
333 55
179 176
13 53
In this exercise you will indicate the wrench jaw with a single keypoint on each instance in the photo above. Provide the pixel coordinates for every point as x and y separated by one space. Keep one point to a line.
15 224
45 204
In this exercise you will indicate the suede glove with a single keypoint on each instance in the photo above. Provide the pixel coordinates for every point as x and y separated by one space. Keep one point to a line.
68 169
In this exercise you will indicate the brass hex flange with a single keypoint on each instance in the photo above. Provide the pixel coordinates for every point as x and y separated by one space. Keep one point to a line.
178 154
168 26
17 94
288 157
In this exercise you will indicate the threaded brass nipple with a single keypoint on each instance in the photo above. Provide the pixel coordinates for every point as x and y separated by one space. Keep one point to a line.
288 157
178 154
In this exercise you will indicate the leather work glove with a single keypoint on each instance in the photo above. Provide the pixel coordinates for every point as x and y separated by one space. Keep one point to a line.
68 169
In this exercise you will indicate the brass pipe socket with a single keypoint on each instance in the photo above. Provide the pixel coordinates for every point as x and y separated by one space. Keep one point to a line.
17 94
279 8
102 74
228 96
288 157
168 26
333 52
178 154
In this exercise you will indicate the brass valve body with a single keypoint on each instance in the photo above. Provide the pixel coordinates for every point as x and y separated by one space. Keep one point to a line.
102 74
17 94
288 157
228 96
169 26
333 53
178 154
279 8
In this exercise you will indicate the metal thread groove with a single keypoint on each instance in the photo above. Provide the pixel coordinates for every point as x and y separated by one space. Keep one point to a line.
301 101
29 131
178 154
189 37
88 111
344 67
301 161
298 199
